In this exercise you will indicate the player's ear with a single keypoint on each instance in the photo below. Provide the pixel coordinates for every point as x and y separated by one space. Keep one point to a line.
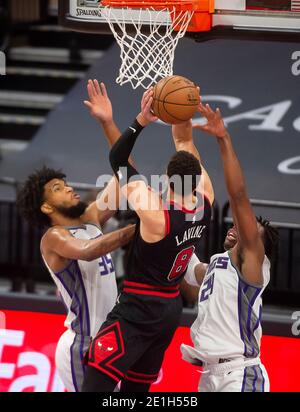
46 208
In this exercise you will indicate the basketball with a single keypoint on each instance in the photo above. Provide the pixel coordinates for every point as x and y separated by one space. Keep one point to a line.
175 99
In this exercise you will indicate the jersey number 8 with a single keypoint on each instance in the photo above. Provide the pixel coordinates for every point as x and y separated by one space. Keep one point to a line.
181 262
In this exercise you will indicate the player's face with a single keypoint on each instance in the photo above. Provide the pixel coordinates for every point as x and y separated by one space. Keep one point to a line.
59 194
231 238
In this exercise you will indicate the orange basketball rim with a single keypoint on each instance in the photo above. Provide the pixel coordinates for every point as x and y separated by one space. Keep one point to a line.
202 10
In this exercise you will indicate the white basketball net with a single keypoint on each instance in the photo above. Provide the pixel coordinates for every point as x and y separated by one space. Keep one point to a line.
146 58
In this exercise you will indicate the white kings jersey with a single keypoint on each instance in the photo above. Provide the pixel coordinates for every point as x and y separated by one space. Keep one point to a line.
228 324
88 289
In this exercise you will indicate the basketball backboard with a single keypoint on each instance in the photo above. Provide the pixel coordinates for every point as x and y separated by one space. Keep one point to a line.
263 19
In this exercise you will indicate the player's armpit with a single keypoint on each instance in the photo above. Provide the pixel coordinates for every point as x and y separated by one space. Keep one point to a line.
247 226
252 269
250 247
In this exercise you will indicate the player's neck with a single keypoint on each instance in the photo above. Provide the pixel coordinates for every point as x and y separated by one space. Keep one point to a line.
66 221
188 202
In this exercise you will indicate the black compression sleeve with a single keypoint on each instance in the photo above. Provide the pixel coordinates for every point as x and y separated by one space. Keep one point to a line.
121 150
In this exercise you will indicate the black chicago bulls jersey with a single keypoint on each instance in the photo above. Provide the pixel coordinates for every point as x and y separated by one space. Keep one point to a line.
138 330
164 263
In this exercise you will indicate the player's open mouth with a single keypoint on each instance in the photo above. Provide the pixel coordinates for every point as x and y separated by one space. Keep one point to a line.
76 196
231 235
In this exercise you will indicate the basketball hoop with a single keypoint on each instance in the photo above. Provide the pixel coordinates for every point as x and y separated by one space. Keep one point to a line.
148 33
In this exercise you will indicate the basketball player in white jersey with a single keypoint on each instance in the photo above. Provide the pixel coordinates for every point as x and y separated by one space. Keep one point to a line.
75 251
227 331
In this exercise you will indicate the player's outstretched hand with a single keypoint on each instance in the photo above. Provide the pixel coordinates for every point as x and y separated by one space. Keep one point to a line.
146 116
215 123
99 104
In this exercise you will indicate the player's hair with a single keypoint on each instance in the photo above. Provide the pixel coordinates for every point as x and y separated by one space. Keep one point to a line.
31 196
184 164
271 237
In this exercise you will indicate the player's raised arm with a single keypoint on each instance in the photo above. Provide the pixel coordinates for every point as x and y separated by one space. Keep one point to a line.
145 202
183 140
101 109
251 251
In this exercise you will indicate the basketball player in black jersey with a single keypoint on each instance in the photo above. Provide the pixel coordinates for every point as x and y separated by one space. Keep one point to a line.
131 343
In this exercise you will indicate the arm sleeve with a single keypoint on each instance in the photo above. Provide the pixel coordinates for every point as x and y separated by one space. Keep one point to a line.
120 153
189 276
